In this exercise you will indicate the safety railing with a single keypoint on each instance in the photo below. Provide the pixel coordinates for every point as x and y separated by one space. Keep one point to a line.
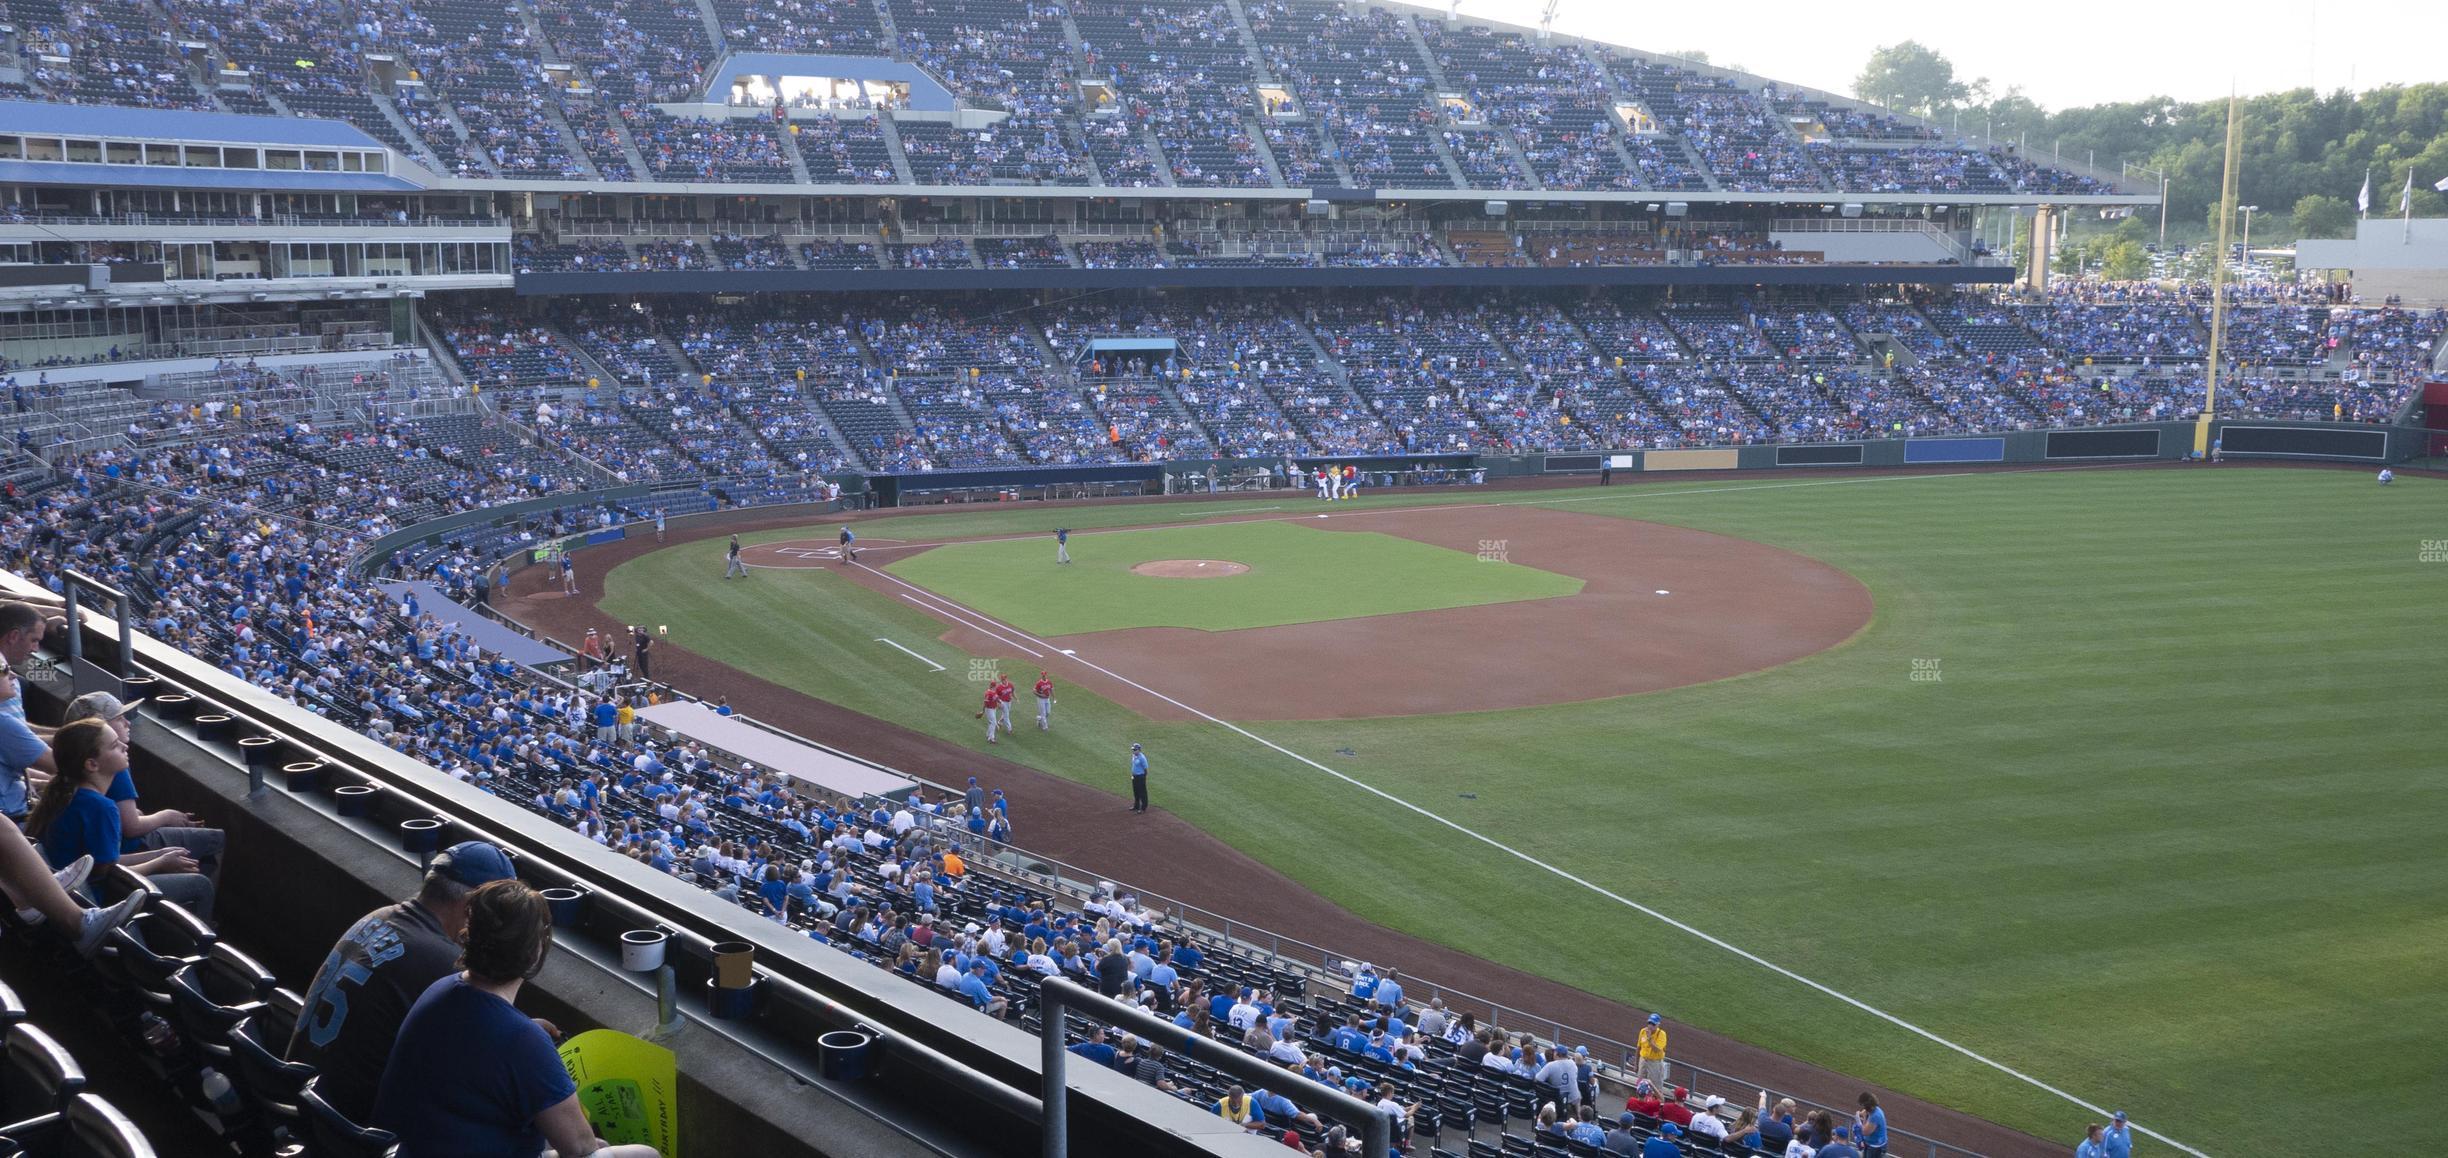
1320 964
800 998
1059 997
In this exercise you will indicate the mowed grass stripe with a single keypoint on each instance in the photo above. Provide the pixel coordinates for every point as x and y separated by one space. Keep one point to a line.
2181 716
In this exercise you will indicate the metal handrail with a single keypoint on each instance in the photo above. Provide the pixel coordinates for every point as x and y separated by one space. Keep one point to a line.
1011 859
1058 996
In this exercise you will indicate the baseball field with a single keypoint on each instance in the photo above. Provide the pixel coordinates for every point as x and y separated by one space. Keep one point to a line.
2004 790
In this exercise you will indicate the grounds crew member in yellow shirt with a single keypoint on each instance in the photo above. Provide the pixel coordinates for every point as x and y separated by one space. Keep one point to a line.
1652 1045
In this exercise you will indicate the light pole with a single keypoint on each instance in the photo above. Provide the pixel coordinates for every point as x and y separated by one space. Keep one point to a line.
2247 211
2130 169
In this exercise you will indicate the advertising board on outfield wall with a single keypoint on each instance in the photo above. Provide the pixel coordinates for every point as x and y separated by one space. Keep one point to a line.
2344 442
1691 460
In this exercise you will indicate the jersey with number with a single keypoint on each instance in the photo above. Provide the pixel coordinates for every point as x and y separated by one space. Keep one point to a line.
361 994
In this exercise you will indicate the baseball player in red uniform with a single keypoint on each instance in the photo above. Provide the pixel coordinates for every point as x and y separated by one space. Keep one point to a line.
1005 693
1045 702
994 699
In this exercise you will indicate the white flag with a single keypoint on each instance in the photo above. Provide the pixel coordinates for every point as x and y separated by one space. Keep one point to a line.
2441 184
2405 200
2363 199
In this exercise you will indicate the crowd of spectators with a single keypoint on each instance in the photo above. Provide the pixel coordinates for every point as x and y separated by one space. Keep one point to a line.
1120 255
239 549
1180 96
928 386
695 149
950 253
838 254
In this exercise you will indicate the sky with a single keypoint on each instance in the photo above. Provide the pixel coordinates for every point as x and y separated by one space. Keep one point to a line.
2074 52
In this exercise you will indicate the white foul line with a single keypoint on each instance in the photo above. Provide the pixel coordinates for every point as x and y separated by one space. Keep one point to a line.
945 609
911 654
1567 875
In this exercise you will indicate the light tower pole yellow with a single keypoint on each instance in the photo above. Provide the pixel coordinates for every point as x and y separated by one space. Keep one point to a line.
2218 286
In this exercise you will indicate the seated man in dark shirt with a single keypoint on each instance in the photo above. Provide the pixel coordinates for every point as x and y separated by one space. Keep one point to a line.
1776 1127
380 967
1096 1048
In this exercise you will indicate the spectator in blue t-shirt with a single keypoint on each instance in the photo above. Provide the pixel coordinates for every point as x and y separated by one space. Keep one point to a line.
1870 1127
974 988
75 819
470 1074
774 892
166 828
1389 994
1280 1111
20 749
1096 1048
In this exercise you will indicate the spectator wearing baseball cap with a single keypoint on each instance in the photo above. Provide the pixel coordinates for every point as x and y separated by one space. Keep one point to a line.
73 821
1662 1143
1706 1123
468 1073
1651 1043
1672 1108
378 970
1625 1138
2117 1139
1138 778
138 829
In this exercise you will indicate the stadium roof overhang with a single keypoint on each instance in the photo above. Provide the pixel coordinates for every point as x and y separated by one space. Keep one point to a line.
47 119
85 173
1344 196
1242 277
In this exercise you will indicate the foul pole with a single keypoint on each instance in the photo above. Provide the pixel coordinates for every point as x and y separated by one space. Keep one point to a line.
2218 287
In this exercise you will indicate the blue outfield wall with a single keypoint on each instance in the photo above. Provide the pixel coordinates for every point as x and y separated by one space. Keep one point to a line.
1933 450
2339 442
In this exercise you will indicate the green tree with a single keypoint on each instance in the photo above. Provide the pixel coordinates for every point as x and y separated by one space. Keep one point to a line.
1910 77
2321 215
2122 260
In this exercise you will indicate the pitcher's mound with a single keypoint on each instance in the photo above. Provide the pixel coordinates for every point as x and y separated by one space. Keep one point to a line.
1189 568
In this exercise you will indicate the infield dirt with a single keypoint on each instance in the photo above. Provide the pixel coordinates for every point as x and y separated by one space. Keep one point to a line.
1090 828
1660 607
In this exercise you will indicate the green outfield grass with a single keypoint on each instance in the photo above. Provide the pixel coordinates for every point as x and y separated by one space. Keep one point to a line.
1297 574
2164 831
